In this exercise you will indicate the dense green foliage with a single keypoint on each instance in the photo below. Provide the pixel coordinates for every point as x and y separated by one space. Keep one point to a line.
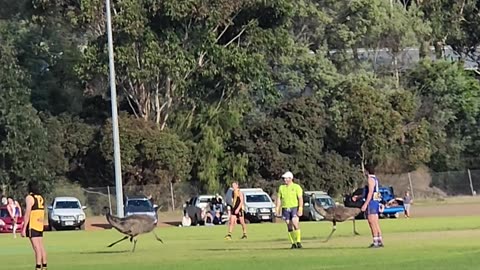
215 91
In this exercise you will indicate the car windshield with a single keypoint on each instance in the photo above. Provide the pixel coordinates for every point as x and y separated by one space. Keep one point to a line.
139 205
325 202
67 205
4 213
257 198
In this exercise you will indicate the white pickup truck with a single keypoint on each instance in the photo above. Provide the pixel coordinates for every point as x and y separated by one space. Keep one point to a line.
66 212
258 204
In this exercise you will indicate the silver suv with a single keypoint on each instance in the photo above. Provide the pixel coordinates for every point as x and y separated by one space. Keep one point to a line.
321 198
66 213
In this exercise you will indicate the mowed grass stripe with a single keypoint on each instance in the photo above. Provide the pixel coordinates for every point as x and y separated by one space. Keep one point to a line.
427 243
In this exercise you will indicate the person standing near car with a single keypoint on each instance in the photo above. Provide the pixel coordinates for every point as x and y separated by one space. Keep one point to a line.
372 206
15 212
290 202
407 202
33 227
237 212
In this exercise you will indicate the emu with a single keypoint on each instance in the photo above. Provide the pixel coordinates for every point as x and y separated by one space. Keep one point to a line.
132 226
336 214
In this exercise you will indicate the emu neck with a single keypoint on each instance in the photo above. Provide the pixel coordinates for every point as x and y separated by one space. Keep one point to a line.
320 210
113 220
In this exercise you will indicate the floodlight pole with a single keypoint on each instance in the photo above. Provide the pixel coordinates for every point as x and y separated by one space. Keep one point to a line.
113 96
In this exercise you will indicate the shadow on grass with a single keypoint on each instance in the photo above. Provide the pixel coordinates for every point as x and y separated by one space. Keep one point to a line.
172 223
103 226
287 248
317 238
106 252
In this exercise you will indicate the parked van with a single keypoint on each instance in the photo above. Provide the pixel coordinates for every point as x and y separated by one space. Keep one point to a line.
258 204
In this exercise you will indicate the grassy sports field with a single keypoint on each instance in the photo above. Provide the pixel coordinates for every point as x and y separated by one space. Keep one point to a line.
419 243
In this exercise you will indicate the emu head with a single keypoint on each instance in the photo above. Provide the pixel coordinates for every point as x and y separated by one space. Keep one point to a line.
106 210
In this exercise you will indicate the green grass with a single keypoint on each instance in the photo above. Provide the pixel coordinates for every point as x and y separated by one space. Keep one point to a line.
424 243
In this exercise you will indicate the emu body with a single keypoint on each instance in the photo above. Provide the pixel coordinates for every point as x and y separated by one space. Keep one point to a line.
336 214
132 226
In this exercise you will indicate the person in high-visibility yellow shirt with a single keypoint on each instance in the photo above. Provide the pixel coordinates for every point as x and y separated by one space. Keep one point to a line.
33 224
290 207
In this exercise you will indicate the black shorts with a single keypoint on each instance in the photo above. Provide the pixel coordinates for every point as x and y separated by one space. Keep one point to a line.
240 214
289 213
31 233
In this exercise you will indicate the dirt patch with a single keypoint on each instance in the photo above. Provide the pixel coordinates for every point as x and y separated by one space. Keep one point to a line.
446 210
421 183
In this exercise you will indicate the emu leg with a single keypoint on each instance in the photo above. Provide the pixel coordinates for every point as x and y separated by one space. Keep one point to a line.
134 244
114 243
354 230
334 228
158 238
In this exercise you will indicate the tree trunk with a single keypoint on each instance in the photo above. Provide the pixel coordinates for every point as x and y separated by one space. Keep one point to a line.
438 50
158 110
424 51
169 88
395 70
355 54
172 195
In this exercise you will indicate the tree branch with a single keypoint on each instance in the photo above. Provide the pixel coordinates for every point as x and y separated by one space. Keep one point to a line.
223 32
130 103
236 37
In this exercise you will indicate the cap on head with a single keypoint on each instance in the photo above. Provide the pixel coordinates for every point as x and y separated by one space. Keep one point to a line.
288 175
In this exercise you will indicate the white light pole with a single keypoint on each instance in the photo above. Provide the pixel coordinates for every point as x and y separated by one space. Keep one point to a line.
116 138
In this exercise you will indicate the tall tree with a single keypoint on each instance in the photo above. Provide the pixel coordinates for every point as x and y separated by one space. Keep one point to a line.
24 141
450 102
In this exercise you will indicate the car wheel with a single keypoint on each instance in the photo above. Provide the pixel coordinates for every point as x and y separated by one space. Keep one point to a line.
82 227
396 215
310 217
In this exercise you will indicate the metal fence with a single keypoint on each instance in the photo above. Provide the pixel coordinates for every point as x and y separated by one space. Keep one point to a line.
172 196
168 197
424 184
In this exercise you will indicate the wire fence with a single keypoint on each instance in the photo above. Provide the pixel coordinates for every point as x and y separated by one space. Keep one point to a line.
424 184
168 197
421 183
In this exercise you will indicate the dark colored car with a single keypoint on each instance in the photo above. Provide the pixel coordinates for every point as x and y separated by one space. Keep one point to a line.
392 206
6 222
140 205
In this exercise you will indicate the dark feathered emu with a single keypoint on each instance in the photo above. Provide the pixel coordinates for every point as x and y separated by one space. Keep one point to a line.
132 226
337 213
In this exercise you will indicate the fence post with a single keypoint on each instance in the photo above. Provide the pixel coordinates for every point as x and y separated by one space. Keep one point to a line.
411 186
171 194
471 184
109 200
